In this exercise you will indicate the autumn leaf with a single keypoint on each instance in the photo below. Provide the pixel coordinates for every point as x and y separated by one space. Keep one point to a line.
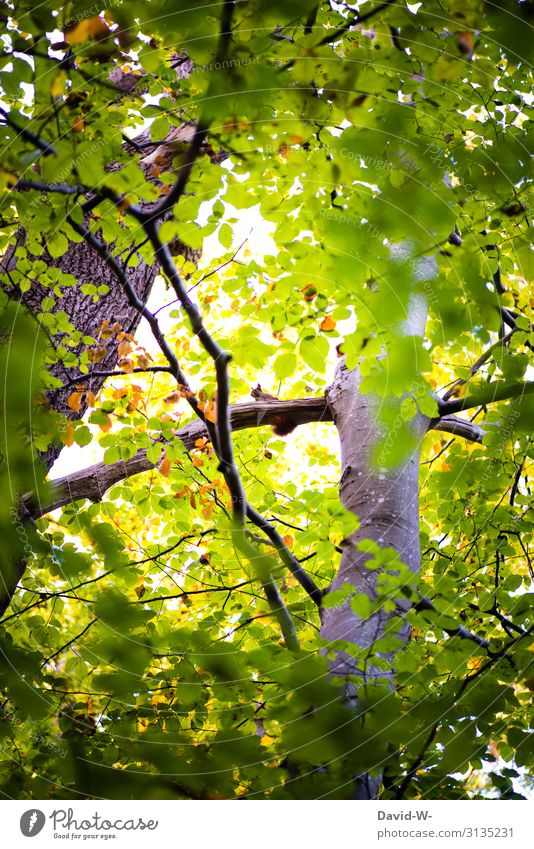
124 348
126 365
74 401
173 397
309 292
328 324
78 124
164 466
67 434
143 361
106 424
466 43
94 28
97 353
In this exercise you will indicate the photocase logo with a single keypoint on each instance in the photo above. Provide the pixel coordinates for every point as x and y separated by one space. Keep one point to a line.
32 822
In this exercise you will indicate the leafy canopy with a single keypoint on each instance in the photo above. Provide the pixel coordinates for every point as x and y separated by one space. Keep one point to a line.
140 656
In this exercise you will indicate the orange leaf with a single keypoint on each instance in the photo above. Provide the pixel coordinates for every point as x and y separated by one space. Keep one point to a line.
173 398
124 348
105 426
210 412
466 43
74 401
328 324
67 437
78 125
125 364
165 466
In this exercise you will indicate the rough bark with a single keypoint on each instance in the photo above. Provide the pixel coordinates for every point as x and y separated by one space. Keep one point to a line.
84 263
87 267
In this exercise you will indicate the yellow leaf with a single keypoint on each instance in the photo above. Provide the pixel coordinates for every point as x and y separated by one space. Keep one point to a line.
58 84
7 178
95 28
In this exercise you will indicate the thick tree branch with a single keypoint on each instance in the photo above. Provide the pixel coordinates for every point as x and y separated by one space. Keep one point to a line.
94 481
499 390
458 427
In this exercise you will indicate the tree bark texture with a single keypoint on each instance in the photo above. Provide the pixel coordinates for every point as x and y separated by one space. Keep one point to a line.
85 264
386 504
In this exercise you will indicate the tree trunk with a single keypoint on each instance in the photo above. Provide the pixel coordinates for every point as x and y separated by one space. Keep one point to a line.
386 503
86 316
85 264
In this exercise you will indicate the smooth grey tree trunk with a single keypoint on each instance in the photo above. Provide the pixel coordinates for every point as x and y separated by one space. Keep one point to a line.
386 503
